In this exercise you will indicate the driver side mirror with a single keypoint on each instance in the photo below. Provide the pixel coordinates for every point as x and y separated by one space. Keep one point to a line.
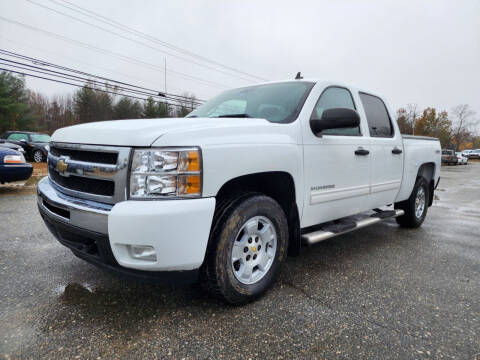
336 118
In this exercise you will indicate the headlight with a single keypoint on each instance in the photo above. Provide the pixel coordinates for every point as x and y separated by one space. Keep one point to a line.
13 159
47 147
166 172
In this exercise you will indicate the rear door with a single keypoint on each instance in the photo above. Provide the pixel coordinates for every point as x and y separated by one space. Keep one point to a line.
337 175
386 151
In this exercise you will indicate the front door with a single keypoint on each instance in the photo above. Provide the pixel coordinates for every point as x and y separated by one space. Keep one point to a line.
336 165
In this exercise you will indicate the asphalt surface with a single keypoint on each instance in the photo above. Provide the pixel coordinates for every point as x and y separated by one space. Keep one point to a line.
381 292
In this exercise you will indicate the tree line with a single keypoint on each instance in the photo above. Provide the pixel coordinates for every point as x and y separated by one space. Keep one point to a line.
456 130
24 109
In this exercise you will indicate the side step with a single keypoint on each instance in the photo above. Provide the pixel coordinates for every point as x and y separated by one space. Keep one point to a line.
332 230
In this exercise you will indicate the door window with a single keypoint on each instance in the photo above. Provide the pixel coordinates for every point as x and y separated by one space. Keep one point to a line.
379 123
335 97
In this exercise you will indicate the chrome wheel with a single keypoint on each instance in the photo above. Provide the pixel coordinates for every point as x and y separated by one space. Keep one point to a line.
38 156
420 202
254 250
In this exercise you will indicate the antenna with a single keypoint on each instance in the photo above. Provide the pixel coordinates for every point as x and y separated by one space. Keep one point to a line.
299 76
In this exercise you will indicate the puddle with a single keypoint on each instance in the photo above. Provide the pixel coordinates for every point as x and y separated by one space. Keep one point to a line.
74 292
70 289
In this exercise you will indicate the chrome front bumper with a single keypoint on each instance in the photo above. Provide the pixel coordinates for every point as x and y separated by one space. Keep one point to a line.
86 214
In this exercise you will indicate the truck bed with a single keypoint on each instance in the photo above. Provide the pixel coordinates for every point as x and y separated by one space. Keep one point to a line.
416 137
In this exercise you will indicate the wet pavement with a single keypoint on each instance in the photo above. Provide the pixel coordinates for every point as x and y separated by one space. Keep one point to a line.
381 292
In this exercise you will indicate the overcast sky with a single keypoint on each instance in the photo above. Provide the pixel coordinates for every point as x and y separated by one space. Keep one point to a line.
424 52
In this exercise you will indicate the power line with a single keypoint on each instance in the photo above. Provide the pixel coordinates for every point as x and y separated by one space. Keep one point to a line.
75 59
115 55
123 27
149 92
87 87
115 88
138 42
46 63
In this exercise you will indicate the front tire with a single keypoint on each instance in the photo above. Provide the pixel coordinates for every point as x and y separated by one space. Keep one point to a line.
415 206
248 242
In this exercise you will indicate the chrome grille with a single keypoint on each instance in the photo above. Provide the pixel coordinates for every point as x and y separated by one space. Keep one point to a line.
82 184
87 156
88 171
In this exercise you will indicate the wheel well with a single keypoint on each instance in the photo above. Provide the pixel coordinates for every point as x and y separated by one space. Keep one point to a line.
280 187
427 171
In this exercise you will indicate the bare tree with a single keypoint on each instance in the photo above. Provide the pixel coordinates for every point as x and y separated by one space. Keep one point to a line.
187 104
407 117
463 122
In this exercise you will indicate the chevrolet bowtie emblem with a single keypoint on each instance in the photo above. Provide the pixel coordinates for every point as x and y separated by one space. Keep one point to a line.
254 248
61 166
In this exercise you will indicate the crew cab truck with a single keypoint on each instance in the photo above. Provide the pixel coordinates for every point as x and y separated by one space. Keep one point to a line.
224 194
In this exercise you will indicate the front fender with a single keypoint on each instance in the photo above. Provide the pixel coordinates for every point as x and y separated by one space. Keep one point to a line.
223 163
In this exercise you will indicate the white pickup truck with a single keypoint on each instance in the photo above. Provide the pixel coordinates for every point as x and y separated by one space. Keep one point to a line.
223 195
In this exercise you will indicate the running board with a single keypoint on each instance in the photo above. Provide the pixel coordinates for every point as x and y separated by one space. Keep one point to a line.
328 231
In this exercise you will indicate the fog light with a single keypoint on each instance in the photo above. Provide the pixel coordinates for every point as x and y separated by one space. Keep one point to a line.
142 252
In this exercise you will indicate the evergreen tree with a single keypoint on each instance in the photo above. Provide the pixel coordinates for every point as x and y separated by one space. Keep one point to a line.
92 105
155 109
127 108
14 110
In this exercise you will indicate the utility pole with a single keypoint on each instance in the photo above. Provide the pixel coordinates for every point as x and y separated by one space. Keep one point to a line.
165 75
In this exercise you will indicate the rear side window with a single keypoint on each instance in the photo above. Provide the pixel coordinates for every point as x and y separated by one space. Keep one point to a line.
17 136
335 97
378 119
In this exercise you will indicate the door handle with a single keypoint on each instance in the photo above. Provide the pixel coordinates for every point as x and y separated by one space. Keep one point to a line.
362 152
396 151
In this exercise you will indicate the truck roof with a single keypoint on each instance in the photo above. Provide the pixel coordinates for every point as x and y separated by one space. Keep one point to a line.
323 82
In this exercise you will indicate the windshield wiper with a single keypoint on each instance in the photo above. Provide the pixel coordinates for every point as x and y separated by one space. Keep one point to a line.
244 115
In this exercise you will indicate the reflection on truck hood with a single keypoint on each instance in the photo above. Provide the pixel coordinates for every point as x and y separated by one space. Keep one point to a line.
141 132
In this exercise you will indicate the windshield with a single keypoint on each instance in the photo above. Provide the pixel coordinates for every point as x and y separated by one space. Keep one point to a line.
279 102
40 138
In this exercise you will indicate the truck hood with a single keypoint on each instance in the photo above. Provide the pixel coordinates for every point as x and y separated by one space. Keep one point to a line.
143 132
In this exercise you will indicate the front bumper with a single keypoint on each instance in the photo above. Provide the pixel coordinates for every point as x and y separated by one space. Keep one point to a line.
9 173
178 230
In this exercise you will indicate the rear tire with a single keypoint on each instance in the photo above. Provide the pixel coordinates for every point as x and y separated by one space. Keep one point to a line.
248 242
38 156
415 206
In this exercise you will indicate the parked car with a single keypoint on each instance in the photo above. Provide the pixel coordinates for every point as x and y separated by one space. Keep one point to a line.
236 185
9 145
449 157
474 154
461 160
35 144
466 152
13 166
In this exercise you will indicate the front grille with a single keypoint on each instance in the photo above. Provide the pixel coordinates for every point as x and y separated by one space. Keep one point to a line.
91 172
83 184
99 157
